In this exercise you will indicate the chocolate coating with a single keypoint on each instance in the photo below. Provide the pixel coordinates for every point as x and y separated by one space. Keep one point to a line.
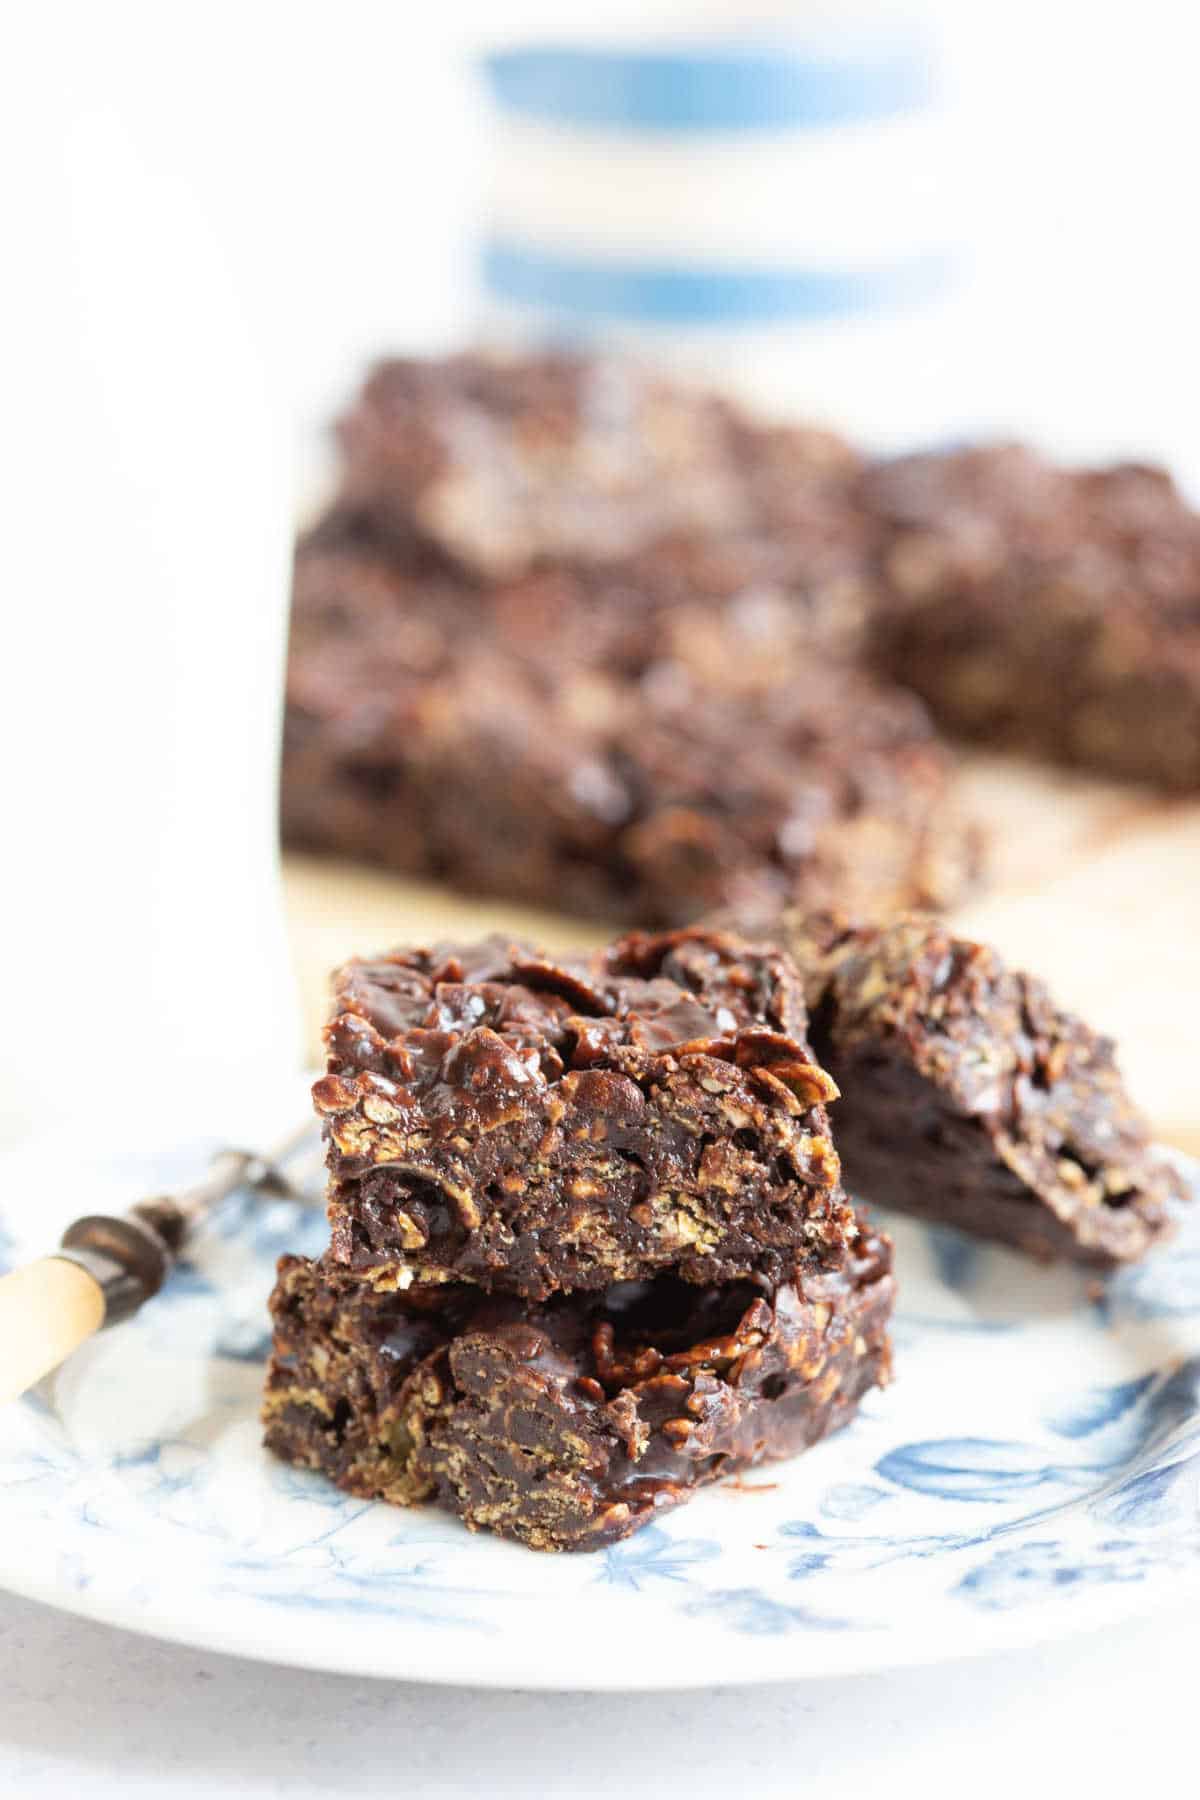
528 1125
568 1425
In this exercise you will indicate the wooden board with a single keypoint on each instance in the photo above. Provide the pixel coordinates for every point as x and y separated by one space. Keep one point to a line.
1094 886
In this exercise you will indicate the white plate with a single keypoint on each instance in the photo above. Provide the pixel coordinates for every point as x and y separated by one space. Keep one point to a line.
1034 1471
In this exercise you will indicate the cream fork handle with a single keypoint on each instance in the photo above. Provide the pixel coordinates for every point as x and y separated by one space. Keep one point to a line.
47 1309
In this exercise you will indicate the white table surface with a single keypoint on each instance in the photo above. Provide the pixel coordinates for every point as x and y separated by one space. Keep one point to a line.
96 1714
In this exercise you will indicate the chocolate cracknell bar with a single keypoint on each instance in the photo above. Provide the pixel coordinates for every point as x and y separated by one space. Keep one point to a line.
1053 609
589 1249
532 1126
971 1098
571 1423
646 742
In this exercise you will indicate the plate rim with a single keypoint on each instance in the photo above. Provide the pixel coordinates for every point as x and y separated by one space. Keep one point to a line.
1125 1606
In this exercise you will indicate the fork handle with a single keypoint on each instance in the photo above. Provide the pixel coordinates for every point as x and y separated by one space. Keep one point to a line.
47 1309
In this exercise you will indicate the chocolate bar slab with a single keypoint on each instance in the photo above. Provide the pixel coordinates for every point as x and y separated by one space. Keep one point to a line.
970 1098
532 1125
644 744
1050 609
571 1424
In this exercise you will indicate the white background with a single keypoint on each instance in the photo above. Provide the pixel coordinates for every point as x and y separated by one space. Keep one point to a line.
1078 161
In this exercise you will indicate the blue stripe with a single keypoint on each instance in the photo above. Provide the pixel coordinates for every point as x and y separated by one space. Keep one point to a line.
714 87
692 294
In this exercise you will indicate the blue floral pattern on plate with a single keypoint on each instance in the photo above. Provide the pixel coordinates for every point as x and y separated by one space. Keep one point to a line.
1035 1469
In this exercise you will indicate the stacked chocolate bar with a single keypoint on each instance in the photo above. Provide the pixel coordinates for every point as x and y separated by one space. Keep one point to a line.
589 1246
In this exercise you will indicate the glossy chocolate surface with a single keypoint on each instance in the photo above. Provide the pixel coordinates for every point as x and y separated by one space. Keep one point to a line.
533 1125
